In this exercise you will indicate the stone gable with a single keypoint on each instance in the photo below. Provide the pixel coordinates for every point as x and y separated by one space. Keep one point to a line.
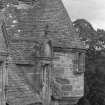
48 20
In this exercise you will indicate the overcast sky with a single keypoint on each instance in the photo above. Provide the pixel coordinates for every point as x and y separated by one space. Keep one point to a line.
92 10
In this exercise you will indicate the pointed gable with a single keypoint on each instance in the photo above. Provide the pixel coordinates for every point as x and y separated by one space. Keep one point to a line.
49 19
59 26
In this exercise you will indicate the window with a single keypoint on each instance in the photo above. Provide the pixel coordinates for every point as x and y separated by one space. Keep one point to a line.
46 49
46 81
45 74
79 62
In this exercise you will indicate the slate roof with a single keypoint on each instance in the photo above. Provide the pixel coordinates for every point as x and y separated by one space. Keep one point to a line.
60 28
48 20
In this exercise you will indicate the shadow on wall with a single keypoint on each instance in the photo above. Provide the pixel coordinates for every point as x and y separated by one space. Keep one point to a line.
83 101
30 104
7 104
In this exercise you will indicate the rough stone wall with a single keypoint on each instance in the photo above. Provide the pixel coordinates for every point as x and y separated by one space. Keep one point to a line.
34 23
23 85
23 80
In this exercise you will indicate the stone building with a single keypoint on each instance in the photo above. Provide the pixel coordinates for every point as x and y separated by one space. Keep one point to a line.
42 58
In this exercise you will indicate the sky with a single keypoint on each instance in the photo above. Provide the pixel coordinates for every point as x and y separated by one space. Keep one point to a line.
91 10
